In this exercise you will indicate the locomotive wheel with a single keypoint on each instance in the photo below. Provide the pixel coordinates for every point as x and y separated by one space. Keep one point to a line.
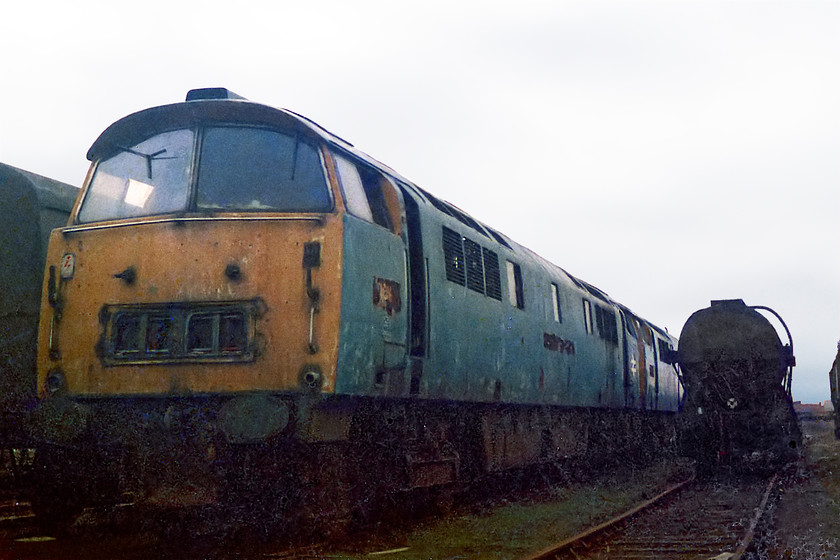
57 497
325 501
65 480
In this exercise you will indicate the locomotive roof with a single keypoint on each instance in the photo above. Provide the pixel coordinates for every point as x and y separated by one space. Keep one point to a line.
135 127
50 193
218 105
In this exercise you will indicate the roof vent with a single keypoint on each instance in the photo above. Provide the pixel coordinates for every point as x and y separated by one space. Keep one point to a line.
211 93
731 302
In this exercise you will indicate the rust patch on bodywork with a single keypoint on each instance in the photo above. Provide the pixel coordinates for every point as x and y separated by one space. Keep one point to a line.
557 344
386 294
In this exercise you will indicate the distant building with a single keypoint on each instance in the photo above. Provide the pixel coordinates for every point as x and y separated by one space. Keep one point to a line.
805 410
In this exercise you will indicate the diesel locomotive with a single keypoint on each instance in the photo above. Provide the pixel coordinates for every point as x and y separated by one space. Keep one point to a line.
31 206
738 412
244 308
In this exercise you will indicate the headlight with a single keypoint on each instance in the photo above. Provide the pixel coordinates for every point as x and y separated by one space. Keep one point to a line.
311 378
55 383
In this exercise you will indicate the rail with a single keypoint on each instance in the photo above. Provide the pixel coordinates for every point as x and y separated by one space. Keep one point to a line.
554 549
655 534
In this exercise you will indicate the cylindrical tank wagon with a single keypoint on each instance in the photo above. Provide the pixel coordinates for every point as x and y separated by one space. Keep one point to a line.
31 206
737 376
834 384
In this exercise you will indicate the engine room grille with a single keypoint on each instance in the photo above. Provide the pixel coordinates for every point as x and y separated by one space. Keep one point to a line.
471 265
475 266
453 252
492 275
179 332
607 325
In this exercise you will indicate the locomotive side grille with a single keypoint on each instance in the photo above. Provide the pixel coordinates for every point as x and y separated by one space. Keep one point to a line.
607 325
492 275
178 332
471 265
475 267
453 252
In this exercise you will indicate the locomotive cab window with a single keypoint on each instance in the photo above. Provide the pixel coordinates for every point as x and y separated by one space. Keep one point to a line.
216 333
664 348
516 294
587 317
631 326
354 191
159 334
238 169
152 177
126 336
555 303
258 169
365 192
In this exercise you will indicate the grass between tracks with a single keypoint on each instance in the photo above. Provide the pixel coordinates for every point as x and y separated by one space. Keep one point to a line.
807 517
534 522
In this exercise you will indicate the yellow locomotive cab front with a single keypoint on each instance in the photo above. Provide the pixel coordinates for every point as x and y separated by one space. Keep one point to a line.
189 312
203 258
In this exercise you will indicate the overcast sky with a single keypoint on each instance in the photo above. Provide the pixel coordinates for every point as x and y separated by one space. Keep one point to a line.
668 152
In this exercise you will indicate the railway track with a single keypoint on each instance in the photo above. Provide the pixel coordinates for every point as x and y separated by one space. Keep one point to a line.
703 520
693 519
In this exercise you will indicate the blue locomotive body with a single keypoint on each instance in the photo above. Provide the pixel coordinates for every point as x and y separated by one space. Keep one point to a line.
501 324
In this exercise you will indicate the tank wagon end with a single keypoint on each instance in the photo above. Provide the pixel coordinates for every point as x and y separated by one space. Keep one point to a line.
31 206
737 376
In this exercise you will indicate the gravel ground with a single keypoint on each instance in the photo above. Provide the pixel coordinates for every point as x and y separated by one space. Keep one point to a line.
807 517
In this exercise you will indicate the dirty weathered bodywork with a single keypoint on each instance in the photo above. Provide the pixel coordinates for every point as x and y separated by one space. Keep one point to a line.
30 207
240 291
738 410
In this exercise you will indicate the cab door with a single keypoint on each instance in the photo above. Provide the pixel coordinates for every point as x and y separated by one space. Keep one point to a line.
634 363
373 339
418 294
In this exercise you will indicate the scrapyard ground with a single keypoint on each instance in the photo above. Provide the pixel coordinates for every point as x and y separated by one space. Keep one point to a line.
806 524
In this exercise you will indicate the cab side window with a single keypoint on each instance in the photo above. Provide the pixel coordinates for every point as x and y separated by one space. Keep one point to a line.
516 293
363 189
588 323
555 303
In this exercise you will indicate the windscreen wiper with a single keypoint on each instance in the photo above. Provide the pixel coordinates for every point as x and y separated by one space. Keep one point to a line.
148 157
